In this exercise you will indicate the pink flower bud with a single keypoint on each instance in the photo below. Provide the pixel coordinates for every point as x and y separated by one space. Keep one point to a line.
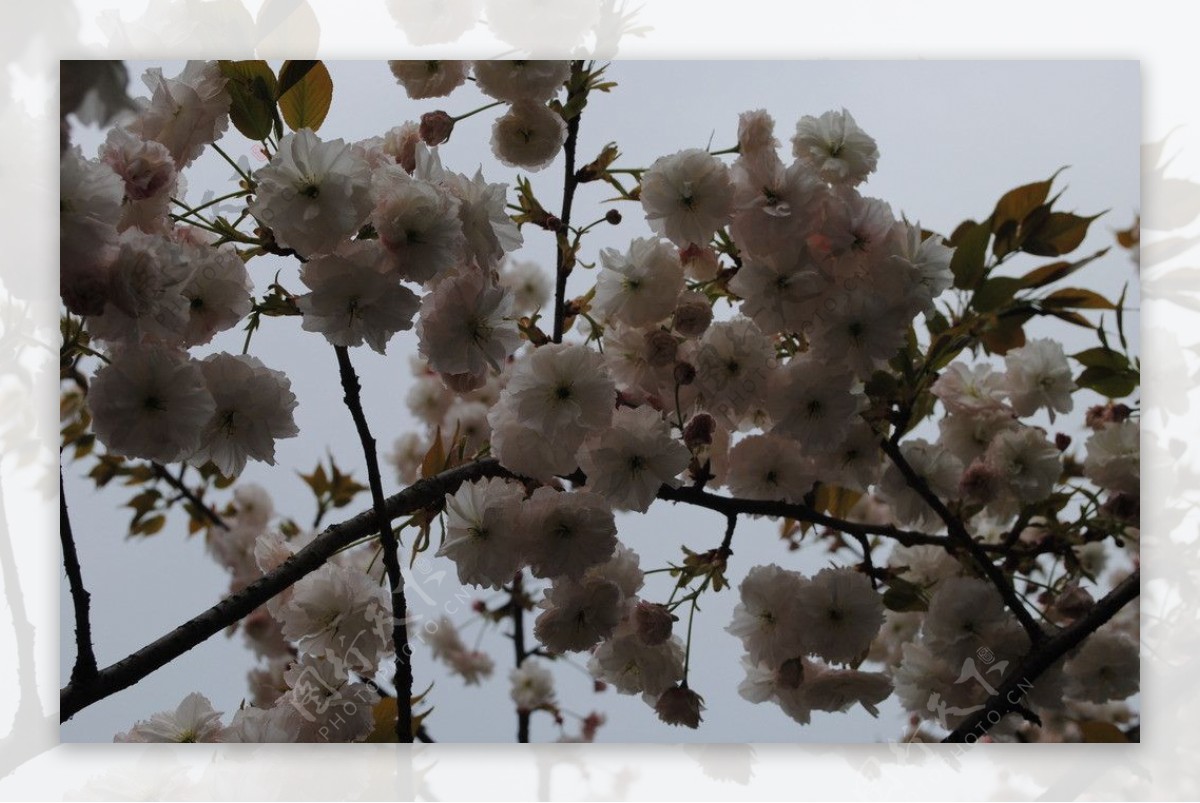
436 127
661 347
693 315
653 622
699 431
680 706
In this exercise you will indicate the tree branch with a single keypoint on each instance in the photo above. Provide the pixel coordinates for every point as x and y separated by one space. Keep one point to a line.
959 535
391 560
85 656
518 620
175 482
74 697
1008 697
570 181
731 506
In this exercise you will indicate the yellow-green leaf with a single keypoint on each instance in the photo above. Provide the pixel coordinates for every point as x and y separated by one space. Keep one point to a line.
1048 274
434 461
1016 204
1096 732
384 715
1060 233
1077 298
291 73
306 103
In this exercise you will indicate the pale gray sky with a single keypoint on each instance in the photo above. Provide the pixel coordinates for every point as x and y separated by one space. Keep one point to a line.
952 137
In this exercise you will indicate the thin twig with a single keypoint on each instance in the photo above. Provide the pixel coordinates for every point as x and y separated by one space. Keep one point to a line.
1008 697
958 534
570 181
391 560
85 655
74 697
177 483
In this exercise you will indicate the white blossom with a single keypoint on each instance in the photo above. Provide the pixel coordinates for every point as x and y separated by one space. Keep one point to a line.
465 326
529 135
340 615
641 286
559 390
1114 457
483 532
769 467
186 112
254 408
835 147
313 195
687 196
429 79
150 402
352 299
418 225
1038 376
635 668
839 613
576 615
532 686
629 462
567 532
194 720
512 81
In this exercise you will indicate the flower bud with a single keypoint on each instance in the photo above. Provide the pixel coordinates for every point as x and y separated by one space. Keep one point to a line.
699 431
653 622
436 127
692 315
685 373
613 216
661 347
1061 441
699 262
980 482
680 706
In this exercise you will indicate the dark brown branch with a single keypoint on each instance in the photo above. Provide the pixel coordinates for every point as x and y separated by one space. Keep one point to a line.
732 506
1008 698
85 656
517 603
562 269
960 536
391 559
74 697
177 483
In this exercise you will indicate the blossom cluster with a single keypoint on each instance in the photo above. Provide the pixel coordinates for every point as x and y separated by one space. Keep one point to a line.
771 398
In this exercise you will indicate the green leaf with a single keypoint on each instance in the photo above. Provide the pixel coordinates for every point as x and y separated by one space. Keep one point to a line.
1060 233
904 596
1110 382
1100 357
307 102
967 264
1048 274
995 292
1077 298
251 87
